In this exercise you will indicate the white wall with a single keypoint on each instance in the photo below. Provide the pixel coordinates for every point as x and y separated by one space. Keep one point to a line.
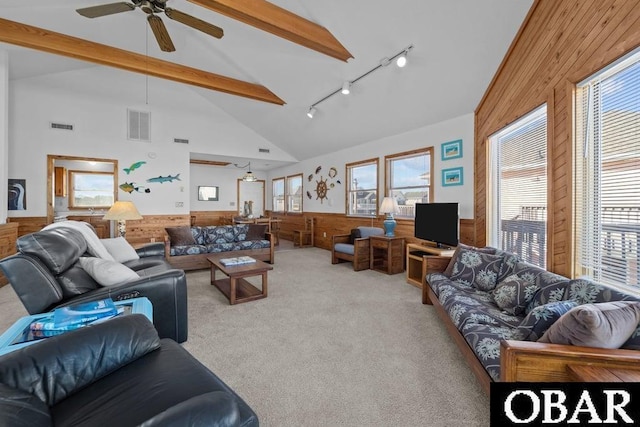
4 134
95 101
428 136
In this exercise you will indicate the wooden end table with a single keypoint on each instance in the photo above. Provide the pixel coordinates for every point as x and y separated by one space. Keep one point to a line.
234 286
386 254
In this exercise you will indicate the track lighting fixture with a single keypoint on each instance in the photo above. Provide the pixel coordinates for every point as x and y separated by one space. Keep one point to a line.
311 112
401 61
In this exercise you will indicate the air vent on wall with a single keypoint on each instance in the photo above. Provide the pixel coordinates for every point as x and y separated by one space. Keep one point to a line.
263 150
181 140
139 125
61 126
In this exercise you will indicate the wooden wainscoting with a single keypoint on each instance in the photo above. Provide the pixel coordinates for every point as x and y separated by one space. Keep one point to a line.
29 224
332 224
151 227
8 237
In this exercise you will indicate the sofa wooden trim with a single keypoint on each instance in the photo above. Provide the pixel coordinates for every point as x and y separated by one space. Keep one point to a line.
360 257
199 261
540 362
529 361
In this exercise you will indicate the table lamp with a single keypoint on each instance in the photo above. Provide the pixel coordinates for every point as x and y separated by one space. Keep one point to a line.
121 211
389 207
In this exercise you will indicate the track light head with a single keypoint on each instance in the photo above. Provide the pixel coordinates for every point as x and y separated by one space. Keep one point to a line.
346 88
311 112
402 60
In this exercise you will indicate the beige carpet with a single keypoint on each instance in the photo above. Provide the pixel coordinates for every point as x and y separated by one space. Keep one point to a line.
328 347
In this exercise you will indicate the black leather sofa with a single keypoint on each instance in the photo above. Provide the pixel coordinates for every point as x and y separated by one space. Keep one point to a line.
45 274
116 373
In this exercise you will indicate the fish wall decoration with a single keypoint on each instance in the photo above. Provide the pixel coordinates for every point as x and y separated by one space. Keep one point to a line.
133 167
161 179
130 187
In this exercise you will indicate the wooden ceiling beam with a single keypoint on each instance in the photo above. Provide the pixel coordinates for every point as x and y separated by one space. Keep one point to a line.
48 41
280 22
208 162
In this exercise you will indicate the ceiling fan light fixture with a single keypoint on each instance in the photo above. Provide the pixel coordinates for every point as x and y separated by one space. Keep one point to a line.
346 88
311 112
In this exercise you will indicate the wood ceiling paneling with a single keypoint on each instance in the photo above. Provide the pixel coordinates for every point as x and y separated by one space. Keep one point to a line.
560 43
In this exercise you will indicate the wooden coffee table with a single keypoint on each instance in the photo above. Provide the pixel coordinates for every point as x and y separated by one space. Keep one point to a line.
234 286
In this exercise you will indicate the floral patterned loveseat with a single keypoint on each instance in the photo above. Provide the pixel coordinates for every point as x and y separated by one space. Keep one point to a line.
188 247
498 307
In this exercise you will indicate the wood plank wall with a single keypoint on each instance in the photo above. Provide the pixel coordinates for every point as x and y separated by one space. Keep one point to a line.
561 43
8 237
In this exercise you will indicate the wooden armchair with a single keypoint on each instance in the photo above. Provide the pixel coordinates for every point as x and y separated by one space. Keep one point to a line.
342 248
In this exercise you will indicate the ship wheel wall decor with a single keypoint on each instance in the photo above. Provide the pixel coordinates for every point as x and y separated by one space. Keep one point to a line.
321 189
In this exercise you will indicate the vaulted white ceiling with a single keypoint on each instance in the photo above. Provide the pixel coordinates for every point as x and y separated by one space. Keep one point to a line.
458 46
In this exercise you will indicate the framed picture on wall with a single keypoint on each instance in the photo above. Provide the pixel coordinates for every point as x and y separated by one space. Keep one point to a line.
451 150
207 193
17 194
453 176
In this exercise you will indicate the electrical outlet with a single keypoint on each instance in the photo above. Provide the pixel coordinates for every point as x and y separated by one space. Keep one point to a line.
324 234
179 204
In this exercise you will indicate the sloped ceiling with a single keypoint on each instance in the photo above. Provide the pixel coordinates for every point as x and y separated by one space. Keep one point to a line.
458 46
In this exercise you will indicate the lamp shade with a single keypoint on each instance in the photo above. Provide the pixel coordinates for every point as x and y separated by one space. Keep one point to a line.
389 206
123 210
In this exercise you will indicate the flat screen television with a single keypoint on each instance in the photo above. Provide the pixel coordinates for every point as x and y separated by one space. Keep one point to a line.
438 222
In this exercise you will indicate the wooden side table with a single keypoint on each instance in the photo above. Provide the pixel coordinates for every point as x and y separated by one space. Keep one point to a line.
386 254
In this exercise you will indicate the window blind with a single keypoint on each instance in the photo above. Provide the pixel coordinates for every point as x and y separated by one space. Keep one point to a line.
607 175
519 172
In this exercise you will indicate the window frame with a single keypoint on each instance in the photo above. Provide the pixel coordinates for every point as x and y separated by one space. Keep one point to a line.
288 195
407 155
71 196
493 197
348 189
283 180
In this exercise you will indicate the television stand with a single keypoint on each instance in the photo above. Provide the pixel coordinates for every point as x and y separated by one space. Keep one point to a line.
418 266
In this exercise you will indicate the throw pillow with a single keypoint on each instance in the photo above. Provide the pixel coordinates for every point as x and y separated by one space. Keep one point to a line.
355 234
180 236
536 323
256 232
120 249
513 294
602 325
476 269
487 250
107 273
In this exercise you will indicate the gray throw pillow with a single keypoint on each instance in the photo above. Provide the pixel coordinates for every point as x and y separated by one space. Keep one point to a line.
602 325
476 269
513 294
107 273
536 323
180 236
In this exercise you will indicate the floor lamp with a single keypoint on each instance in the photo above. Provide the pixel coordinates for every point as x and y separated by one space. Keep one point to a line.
122 211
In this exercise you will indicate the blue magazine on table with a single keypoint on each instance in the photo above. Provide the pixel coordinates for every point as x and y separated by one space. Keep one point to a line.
83 313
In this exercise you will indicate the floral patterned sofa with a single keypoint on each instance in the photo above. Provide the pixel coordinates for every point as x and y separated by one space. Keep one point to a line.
188 247
497 307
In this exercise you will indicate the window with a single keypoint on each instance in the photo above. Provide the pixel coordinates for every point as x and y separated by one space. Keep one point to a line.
294 193
362 188
277 190
518 194
607 175
91 189
409 179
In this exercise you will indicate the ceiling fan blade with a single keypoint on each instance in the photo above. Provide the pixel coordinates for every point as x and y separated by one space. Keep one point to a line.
194 22
161 33
105 9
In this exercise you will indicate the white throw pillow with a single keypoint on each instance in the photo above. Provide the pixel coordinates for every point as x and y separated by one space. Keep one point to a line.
107 273
120 249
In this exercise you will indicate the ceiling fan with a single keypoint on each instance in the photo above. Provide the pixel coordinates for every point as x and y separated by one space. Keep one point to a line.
151 7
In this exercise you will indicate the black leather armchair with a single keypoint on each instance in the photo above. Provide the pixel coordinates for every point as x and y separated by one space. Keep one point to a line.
115 373
45 274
